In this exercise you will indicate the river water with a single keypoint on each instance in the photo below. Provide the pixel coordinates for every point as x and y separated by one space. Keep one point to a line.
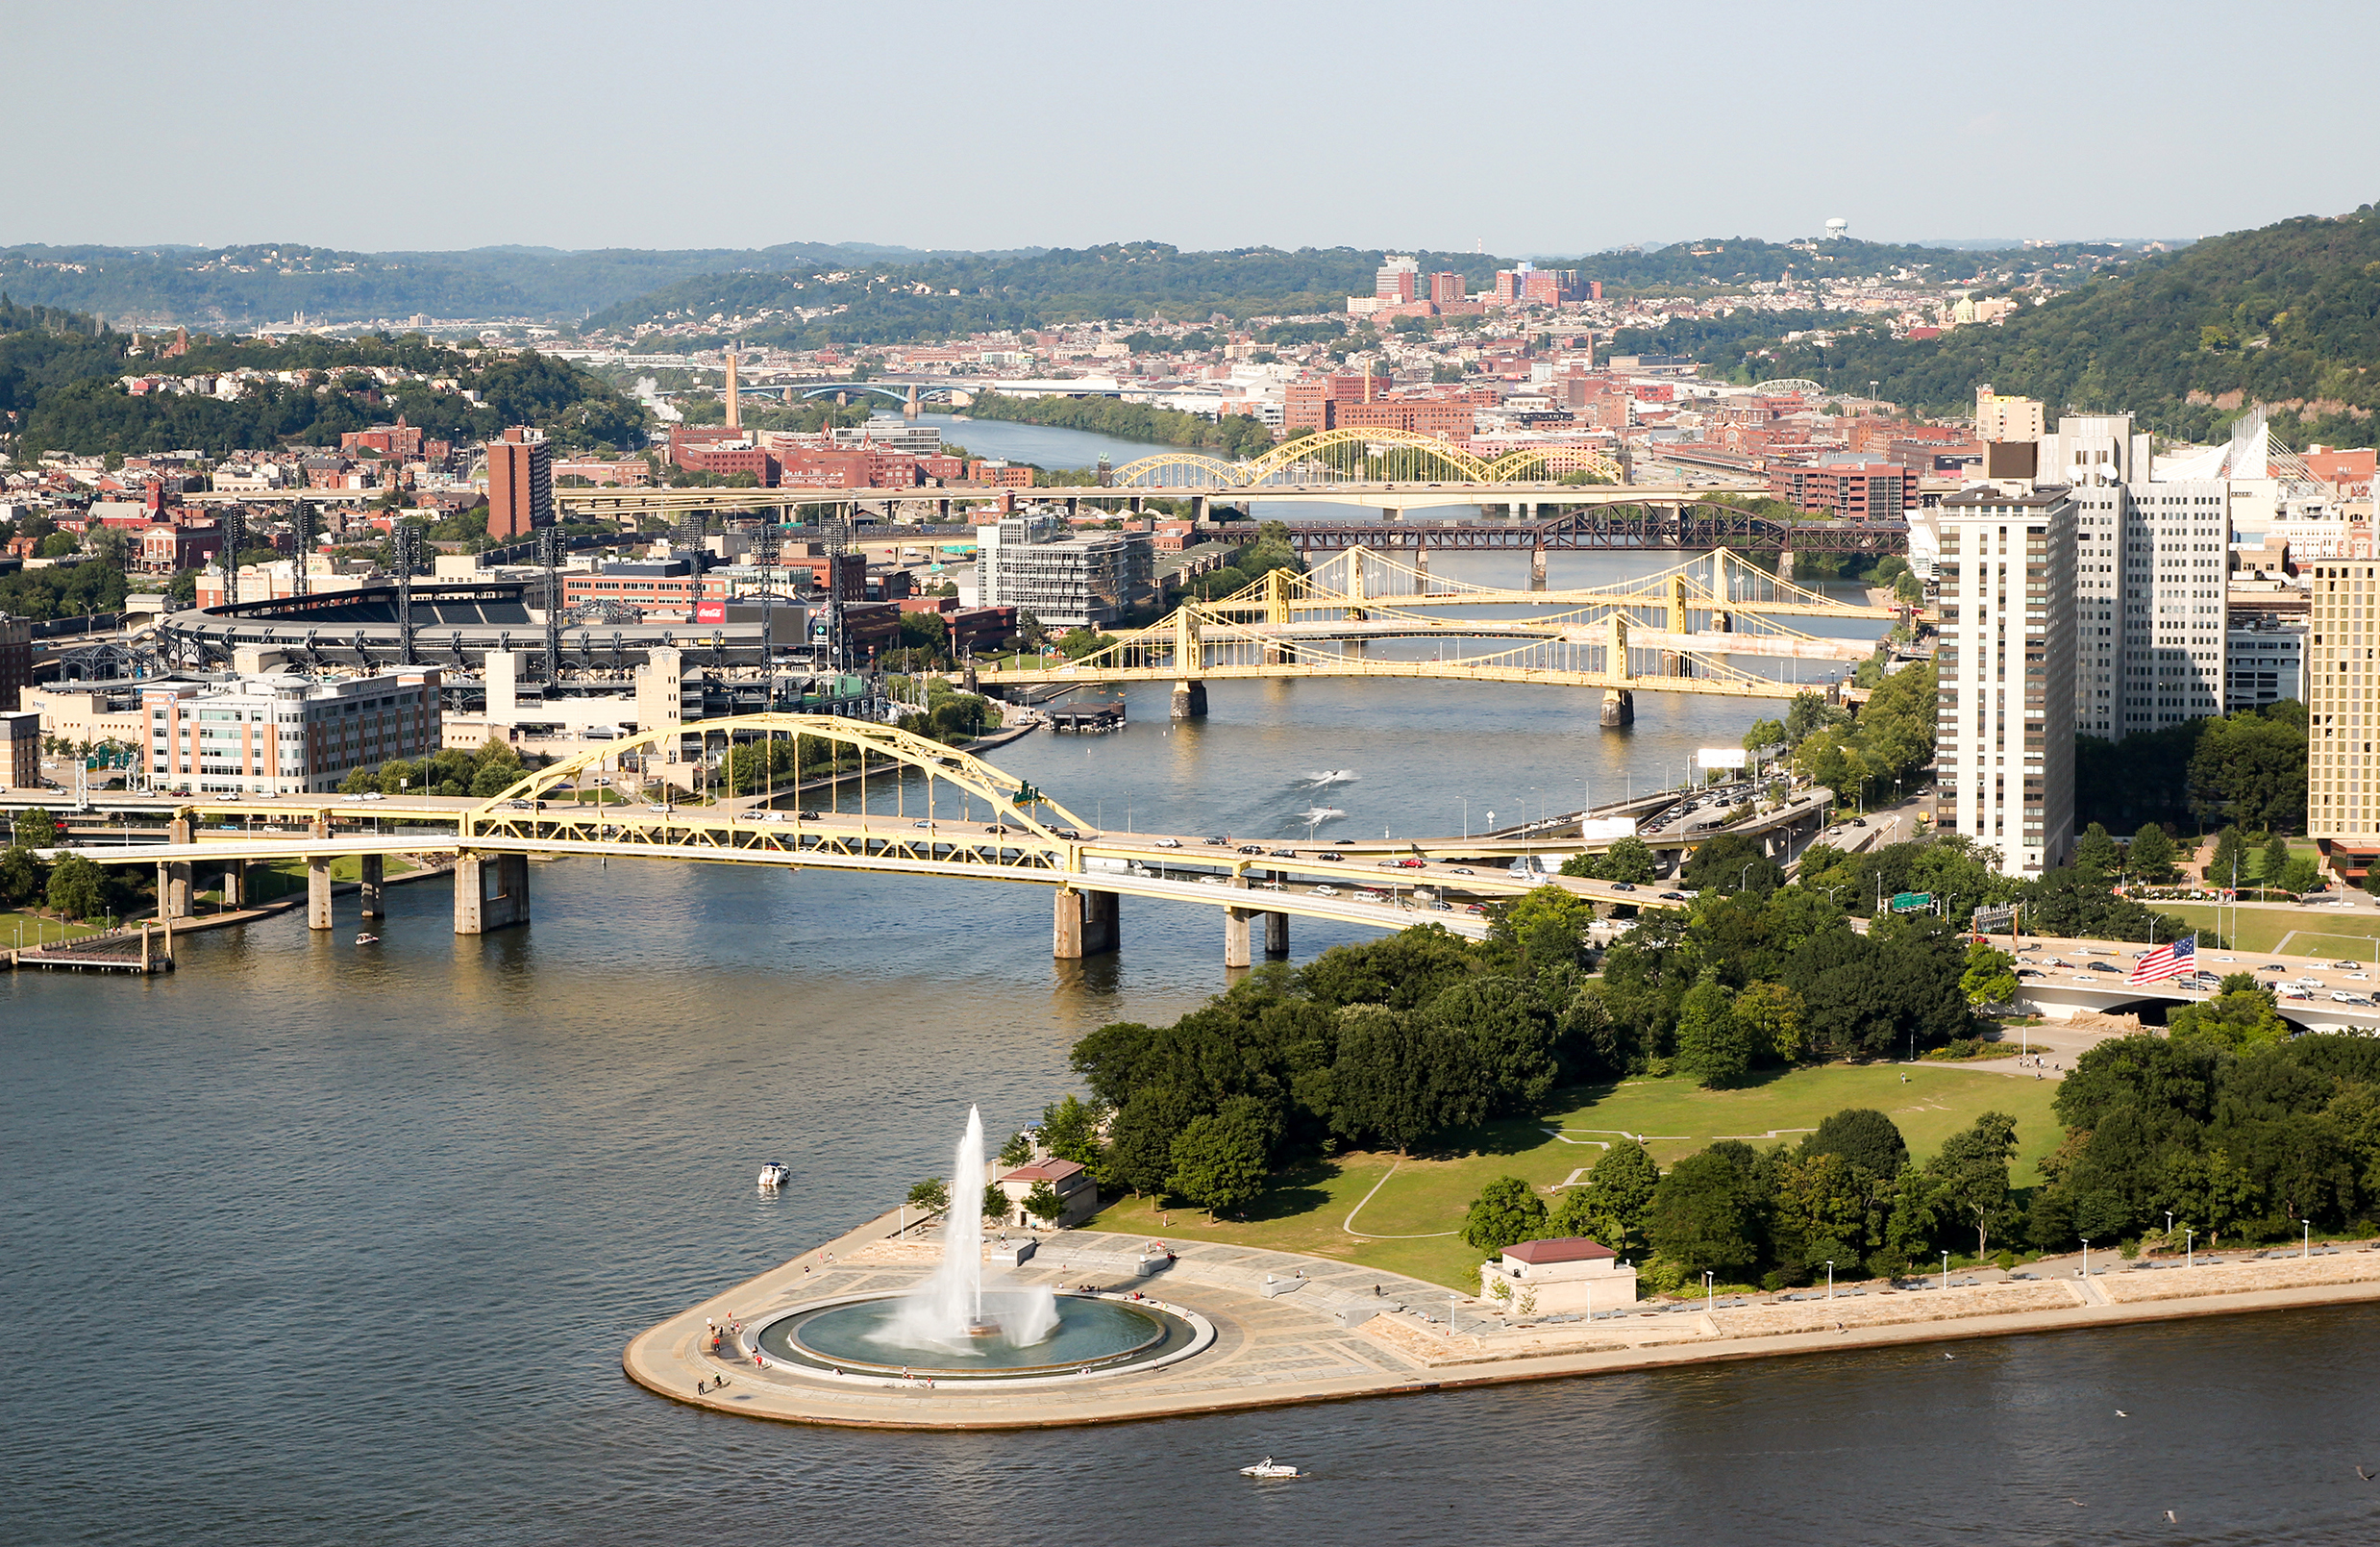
317 1242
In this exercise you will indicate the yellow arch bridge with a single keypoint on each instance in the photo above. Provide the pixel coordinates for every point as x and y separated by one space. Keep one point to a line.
889 803
1688 628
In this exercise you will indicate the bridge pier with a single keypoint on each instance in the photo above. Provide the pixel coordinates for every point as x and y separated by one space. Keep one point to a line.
1276 934
1537 567
234 885
375 866
1235 942
1619 708
318 892
173 888
491 891
1085 924
1190 700
1785 564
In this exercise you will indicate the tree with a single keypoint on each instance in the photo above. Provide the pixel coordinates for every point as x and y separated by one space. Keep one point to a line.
1732 859
1864 1137
77 889
1042 1202
22 877
1610 1208
1629 860
2300 875
1989 977
1218 1159
1017 1151
1764 734
932 1195
1969 1173
1712 1048
36 828
1380 1082
1702 1215
1506 1212
1070 1130
996 1205
2228 864
2276 857
2151 854
1770 1015
2238 1018
1546 924
2095 851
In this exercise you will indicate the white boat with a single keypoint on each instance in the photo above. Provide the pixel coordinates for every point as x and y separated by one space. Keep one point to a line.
367 939
1269 1467
775 1174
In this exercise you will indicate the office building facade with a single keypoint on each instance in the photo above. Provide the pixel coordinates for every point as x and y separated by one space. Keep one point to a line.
520 483
1083 581
2005 723
2343 716
285 734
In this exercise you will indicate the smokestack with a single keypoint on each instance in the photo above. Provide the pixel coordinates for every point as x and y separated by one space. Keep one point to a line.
735 416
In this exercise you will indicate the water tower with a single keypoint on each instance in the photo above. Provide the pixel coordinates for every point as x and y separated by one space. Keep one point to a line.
1837 229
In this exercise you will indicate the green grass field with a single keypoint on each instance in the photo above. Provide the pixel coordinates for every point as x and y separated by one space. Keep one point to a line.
2306 931
18 925
1408 1225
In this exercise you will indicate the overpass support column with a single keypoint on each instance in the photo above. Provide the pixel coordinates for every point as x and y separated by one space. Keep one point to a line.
491 891
318 892
234 885
1619 708
173 888
1276 934
1236 951
1537 567
374 867
1785 564
1085 924
1189 701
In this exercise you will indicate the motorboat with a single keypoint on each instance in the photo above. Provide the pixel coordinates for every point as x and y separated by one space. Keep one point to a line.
1269 1467
367 939
775 1174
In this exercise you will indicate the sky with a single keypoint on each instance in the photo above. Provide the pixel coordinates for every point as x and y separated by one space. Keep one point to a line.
1540 128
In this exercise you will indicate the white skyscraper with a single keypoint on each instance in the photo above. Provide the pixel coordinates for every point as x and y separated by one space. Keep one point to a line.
2152 564
2005 730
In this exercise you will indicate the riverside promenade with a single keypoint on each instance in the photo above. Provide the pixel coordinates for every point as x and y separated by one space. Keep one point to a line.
1292 1329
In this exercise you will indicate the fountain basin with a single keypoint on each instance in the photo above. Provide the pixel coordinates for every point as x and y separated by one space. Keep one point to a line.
1094 1332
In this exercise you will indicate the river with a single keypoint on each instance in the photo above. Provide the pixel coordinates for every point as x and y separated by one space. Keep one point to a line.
317 1242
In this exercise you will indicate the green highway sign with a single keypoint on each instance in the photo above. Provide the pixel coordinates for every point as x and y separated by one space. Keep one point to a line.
1912 902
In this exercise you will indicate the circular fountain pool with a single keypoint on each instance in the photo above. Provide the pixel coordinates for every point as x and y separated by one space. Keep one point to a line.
862 1336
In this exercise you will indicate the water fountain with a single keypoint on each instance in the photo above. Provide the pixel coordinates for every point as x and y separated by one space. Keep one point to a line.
957 1325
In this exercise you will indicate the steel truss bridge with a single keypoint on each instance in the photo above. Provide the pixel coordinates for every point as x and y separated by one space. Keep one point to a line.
951 815
1680 630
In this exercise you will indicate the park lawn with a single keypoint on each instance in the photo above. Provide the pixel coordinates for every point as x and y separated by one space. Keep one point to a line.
1411 1222
2307 931
23 923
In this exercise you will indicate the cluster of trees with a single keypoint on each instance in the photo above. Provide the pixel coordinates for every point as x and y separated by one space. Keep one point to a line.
2227 1121
1881 748
71 887
1234 436
1848 1194
63 590
2249 767
448 771
1394 1042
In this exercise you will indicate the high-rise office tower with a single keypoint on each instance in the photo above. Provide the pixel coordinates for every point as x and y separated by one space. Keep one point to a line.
2005 726
2343 714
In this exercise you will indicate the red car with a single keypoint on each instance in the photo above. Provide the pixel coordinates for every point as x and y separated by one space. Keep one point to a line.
1411 864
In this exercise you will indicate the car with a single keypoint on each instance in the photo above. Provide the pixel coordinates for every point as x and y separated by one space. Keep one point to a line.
1326 891
1458 871
1169 843
603 784
922 822
1622 885
1672 896
371 794
1473 907
1285 853
2102 966
2336 966
1391 864
996 830
2359 977
812 816
2273 967
2291 990
2364 1000
1859 821
1219 843
2028 972
1412 863
521 805
1069 835
2342 996
657 806
1333 856
2084 978
1214 880
1252 848
1270 886
1365 894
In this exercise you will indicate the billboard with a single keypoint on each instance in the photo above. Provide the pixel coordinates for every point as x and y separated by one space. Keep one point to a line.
711 609
1719 757
1607 827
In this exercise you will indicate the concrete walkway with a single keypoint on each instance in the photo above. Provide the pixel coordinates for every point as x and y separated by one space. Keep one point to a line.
1340 1330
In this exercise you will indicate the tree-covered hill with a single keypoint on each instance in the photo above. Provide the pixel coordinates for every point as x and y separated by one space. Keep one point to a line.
62 390
2286 315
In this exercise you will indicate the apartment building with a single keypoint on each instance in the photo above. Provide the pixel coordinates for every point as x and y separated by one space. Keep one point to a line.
520 482
285 734
1083 581
2342 705
2005 725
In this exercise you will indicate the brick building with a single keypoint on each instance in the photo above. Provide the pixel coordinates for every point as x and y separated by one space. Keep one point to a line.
520 483
1850 491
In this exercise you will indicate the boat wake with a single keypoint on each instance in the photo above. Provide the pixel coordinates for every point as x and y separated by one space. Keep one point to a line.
1328 776
1319 813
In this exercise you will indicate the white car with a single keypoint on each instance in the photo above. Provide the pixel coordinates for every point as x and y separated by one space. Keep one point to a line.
1365 894
1326 891
1169 843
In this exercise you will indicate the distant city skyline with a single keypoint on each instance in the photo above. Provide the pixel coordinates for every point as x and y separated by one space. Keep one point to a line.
1569 131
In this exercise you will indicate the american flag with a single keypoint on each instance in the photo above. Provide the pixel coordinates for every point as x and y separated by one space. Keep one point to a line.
2167 961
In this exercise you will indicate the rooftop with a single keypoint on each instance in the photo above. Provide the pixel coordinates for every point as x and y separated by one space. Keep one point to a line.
1565 1249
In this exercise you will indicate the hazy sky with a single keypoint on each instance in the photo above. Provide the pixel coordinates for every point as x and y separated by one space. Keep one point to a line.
1537 127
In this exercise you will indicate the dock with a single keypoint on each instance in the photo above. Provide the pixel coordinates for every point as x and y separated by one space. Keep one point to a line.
124 950
1087 717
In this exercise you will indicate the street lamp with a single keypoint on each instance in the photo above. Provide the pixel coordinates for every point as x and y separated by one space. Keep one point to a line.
2190 1248
2086 1240
2305 1247
1946 1270
1830 1278
1710 1292
1743 877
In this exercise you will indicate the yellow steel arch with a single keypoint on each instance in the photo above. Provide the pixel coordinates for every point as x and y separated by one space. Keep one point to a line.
1014 798
1166 466
1332 449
